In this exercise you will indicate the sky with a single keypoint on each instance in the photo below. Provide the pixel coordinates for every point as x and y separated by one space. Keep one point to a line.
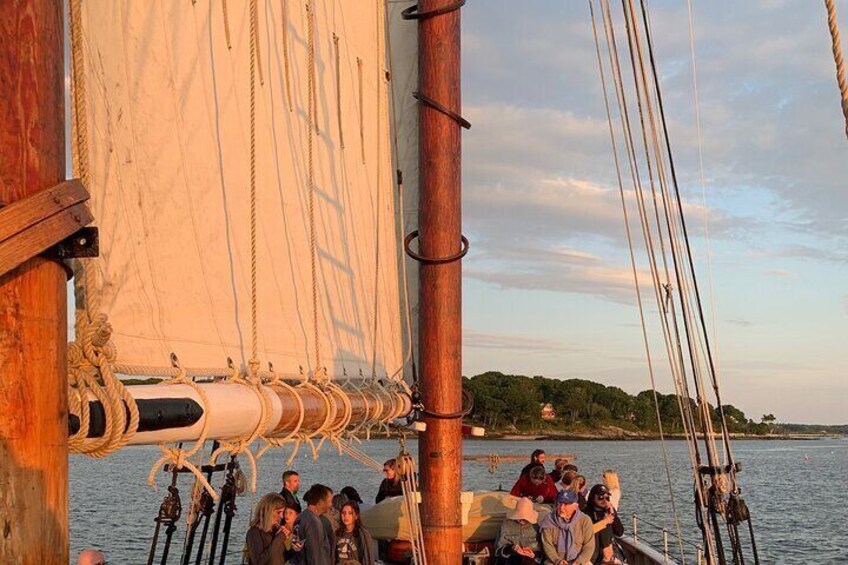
547 287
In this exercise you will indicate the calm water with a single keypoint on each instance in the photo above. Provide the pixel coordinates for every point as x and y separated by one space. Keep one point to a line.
797 491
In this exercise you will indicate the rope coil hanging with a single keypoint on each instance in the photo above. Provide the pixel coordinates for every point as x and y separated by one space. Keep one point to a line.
836 47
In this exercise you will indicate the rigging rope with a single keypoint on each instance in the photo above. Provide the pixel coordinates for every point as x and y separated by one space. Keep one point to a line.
93 352
317 371
836 47
638 293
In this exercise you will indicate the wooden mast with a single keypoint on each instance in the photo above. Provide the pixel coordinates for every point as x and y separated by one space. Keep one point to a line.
33 297
440 319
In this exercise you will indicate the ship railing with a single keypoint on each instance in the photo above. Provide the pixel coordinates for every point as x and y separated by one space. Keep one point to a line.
663 540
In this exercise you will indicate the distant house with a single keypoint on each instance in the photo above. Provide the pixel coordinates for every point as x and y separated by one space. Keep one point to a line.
548 412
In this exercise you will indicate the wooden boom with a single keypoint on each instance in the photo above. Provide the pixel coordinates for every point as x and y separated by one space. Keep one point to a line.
176 412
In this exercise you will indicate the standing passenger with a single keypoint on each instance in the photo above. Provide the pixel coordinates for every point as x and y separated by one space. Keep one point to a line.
312 540
266 539
353 541
391 484
291 484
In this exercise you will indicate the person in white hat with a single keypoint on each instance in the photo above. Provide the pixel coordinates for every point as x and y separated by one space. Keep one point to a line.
518 542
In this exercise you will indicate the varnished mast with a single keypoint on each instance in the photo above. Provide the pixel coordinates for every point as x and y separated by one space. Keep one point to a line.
440 321
33 308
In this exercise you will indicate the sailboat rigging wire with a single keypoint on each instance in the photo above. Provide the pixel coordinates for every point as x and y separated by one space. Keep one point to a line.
709 251
684 407
688 253
378 188
836 47
675 359
638 290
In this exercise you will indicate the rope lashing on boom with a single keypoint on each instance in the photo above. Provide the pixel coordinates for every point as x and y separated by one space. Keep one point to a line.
836 47
177 457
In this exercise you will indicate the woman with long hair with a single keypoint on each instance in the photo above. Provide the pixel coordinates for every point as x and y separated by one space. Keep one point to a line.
266 538
353 541
611 482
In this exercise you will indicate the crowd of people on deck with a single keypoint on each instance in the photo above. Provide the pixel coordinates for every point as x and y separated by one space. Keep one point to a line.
324 528
580 530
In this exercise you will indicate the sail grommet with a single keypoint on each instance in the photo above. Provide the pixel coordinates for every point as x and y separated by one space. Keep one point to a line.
434 260
412 12
427 101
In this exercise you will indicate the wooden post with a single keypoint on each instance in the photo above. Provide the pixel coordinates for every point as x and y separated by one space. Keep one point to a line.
440 319
33 308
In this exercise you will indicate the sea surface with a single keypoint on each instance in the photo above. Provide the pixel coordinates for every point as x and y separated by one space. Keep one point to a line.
797 492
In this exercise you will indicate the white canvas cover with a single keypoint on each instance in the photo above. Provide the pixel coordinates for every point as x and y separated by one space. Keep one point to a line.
168 136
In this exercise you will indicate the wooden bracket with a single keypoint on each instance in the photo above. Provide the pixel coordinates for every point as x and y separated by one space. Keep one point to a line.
31 226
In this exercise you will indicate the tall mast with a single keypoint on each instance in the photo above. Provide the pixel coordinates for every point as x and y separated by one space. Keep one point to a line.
33 298
440 320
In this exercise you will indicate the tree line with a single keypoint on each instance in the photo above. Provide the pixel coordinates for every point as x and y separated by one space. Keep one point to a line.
514 402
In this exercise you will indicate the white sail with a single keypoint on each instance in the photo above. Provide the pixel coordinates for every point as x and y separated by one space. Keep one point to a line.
168 119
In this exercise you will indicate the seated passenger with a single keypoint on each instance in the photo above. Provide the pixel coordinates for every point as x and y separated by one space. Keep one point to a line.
556 472
535 485
518 542
611 482
536 458
606 525
391 484
566 533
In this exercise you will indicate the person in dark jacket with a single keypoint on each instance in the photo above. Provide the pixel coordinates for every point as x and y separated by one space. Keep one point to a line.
606 524
266 538
391 484
291 484
312 539
353 541
536 458
535 485
556 472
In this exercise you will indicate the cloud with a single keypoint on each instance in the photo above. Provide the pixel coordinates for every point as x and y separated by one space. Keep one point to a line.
740 322
508 342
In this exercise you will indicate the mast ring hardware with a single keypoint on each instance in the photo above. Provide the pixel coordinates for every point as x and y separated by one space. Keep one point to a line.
437 260
467 399
412 12
427 101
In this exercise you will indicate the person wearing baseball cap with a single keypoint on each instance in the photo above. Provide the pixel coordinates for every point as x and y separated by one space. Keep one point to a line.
567 535
606 524
518 542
